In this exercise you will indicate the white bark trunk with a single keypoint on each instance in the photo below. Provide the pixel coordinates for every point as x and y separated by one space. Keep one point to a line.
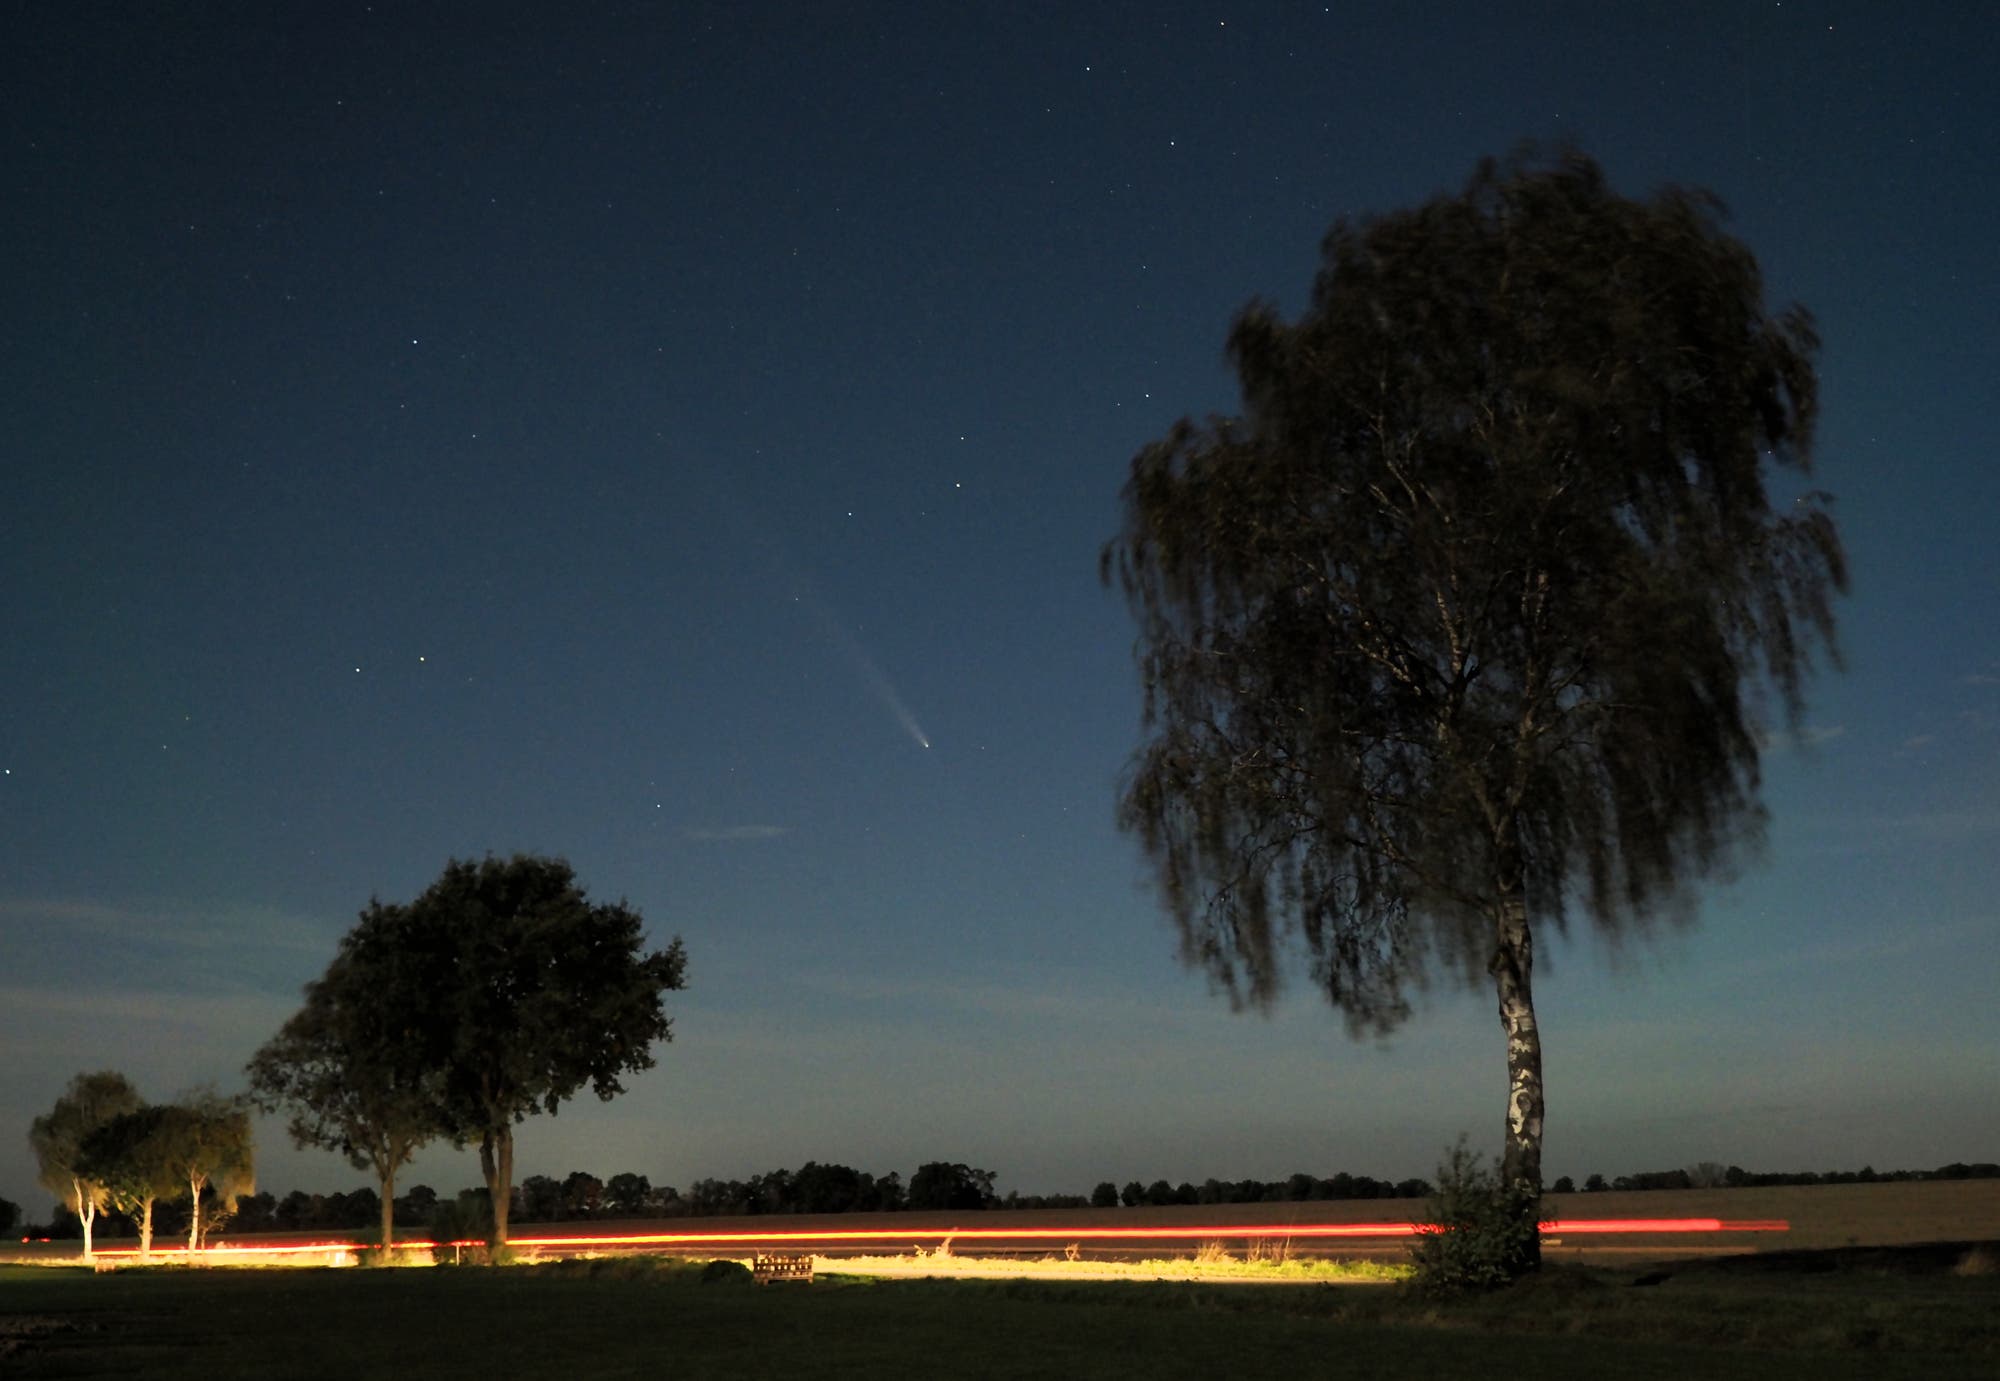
86 1212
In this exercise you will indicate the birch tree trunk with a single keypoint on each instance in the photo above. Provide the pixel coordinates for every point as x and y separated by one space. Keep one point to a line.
86 1212
1512 967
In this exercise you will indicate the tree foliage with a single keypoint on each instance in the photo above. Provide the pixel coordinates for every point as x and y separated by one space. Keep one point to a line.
502 991
351 1082
57 1138
131 1156
205 1141
944 1185
1479 609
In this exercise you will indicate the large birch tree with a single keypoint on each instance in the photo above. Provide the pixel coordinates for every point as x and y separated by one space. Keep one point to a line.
1477 614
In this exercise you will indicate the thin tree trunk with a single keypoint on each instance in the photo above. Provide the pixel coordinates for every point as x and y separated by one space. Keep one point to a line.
194 1217
146 1230
86 1213
1513 969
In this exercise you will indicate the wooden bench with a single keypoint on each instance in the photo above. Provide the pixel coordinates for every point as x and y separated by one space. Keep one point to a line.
789 1267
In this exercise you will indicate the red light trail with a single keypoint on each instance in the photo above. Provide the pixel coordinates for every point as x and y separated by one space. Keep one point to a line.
1079 1233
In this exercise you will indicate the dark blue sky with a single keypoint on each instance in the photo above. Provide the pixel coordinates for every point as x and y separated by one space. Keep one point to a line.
434 430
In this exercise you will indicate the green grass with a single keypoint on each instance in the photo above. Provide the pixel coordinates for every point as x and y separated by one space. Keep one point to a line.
635 1318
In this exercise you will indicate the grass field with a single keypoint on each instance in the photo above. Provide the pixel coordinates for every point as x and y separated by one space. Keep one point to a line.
1873 1313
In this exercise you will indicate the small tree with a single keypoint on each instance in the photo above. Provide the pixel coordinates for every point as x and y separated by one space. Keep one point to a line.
207 1144
340 1067
131 1157
1480 1226
90 1101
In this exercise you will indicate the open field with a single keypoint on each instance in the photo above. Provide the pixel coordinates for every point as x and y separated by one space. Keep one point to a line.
1815 1216
1864 1313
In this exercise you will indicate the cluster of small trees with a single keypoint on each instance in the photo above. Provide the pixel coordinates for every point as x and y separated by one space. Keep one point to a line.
104 1147
499 992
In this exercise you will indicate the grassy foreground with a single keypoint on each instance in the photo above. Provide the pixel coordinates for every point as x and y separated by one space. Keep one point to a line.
1835 1316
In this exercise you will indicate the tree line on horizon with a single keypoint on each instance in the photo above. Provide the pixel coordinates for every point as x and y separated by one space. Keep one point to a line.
817 1188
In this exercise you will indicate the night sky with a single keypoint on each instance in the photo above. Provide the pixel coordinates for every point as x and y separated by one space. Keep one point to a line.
680 438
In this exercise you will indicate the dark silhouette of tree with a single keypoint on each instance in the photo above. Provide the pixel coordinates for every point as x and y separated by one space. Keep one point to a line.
818 1188
627 1195
539 1199
582 1195
942 1185
10 1216
414 1208
57 1138
1473 612
1105 1195
515 991
341 1068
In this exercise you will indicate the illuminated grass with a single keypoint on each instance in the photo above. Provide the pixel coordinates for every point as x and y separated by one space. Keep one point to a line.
1207 1265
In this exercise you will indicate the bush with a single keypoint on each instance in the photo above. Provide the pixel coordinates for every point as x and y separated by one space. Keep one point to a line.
1485 1233
726 1273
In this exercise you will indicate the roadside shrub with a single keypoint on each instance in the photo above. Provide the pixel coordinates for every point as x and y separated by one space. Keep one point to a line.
726 1273
1485 1231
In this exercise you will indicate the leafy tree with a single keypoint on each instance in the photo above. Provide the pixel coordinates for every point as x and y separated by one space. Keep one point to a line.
1473 613
514 991
414 1208
582 1195
627 1195
818 1188
10 1215
352 1085
57 1137
1563 1185
206 1143
1133 1194
1105 1195
539 1199
130 1156
942 1186
297 1209
257 1212
1595 1184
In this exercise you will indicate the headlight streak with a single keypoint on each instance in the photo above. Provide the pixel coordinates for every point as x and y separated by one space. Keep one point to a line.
1194 1232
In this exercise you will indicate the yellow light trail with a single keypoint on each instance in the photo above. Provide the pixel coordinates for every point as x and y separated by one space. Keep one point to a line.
1075 1233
